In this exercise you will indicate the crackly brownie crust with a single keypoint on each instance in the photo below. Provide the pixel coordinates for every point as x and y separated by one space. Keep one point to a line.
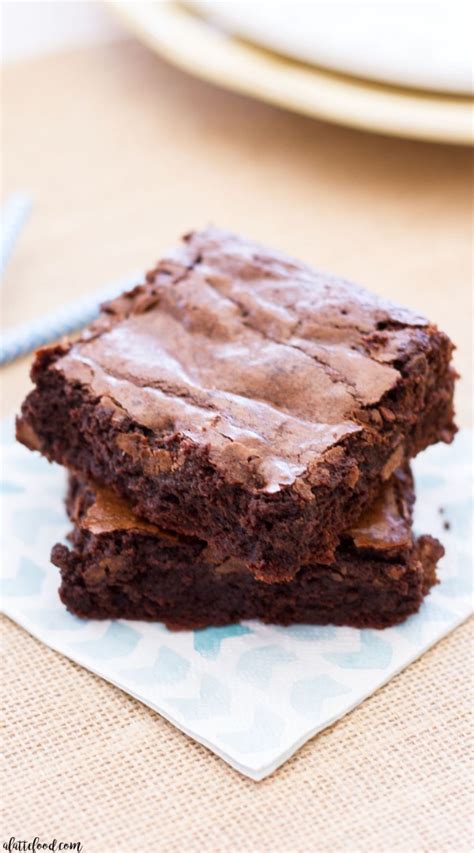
245 398
119 566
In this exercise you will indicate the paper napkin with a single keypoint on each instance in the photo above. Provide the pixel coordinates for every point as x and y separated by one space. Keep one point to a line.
252 693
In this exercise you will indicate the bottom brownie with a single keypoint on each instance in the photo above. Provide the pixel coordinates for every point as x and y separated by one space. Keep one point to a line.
119 566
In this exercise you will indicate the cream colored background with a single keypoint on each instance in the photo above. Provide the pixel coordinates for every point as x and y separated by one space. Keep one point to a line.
122 154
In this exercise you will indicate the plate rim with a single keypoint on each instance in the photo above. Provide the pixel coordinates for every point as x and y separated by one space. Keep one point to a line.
190 43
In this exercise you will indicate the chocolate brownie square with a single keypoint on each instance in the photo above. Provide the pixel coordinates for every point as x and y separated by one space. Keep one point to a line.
244 398
119 566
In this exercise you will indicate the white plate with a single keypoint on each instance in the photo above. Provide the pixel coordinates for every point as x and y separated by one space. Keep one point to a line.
210 53
427 45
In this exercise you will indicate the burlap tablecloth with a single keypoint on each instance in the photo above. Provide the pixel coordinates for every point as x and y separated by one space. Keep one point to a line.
122 153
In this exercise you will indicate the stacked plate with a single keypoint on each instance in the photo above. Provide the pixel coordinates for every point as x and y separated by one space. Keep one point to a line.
401 68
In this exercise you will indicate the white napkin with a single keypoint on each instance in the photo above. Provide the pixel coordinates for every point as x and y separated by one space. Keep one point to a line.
252 693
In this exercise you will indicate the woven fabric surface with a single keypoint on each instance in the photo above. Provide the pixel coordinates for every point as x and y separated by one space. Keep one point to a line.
96 766
126 154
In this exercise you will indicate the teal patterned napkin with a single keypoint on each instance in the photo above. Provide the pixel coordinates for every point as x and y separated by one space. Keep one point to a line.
252 693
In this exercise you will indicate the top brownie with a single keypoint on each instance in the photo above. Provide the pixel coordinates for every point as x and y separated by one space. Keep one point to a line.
245 398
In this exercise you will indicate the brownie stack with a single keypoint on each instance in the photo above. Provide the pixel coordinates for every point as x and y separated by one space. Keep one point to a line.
238 431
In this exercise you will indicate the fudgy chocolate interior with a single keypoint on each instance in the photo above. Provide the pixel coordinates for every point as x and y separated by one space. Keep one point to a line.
120 566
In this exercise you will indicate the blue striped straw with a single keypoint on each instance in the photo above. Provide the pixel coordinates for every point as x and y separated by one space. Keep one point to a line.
26 337
14 214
